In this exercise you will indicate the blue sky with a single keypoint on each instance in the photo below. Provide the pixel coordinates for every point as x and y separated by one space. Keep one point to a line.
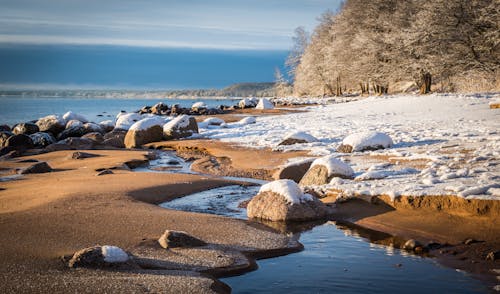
148 44
221 24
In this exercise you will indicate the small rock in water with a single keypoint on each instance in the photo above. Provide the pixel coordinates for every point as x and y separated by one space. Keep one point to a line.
172 239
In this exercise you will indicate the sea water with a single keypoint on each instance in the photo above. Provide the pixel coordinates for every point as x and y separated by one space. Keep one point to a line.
22 109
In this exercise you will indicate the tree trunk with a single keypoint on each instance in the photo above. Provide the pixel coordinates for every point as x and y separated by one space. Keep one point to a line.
338 87
425 83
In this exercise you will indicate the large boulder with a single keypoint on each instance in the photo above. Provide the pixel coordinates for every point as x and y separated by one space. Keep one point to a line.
173 239
92 127
97 137
74 116
180 127
294 171
37 168
125 121
264 104
73 124
324 169
4 135
25 129
52 124
144 131
19 142
107 125
115 138
365 141
248 103
199 106
41 139
298 138
75 130
283 200
98 256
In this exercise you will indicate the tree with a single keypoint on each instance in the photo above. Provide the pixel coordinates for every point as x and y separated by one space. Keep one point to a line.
300 41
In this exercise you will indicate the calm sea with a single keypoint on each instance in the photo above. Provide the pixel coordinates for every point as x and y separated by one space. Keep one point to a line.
21 109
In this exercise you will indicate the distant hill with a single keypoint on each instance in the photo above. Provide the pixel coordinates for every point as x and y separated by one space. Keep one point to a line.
236 90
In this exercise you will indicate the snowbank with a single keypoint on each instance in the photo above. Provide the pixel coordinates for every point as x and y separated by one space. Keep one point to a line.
334 166
288 189
368 140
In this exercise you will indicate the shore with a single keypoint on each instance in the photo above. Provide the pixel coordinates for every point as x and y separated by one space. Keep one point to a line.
46 216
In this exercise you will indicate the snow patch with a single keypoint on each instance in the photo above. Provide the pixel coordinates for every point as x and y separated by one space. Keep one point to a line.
264 104
113 254
288 189
125 121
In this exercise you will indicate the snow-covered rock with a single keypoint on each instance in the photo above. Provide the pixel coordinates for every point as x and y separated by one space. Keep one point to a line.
75 116
283 200
264 104
365 141
107 125
298 138
125 121
173 239
144 131
199 105
52 123
247 103
74 123
294 170
98 256
25 129
42 139
180 127
213 121
92 127
325 168
113 254
159 108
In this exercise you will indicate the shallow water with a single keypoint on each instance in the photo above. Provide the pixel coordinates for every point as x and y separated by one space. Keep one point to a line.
335 259
22 109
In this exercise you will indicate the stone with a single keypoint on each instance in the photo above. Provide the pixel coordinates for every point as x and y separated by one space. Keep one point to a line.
4 135
324 169
365 141
248 103
98 256
135 163
180 127
144 131
37 168
5 128
52 124
115 138
25 129
411 245
107 125
83 155
105 172
92 128
96 137
72 131
7 153
77 143
294 172
42 140
145 109
74 116
274 207
19 142
73 123
173 239
470 241
159 108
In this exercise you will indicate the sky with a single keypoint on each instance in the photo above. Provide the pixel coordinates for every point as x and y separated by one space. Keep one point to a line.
256 25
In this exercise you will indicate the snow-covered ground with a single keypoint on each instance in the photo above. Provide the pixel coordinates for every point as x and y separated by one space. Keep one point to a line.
444 144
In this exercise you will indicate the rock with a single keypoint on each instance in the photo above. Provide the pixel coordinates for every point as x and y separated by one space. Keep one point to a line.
145 110
74 123
52 124
411 245
135 163
4 135
98 256
493 255
365 141
159 108
125 121
213 121
494 104
7 153
83 155
144 131
105 172
5 128
74 116
73 131
324 169
175 109
25 129
115 138
37 168
283 200
19 142
96 137
199 106
264 104
295 171
298 138
92 128
247 103
42 140
107 125
77 143
173 239
180 127
470 241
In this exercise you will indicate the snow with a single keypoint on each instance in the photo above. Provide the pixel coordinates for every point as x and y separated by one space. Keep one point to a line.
179 122
74 116
302 136
360 141
288 189
113 254
334 166
245 121
126 120
147 123
264 104
454 137
199 105
107 123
